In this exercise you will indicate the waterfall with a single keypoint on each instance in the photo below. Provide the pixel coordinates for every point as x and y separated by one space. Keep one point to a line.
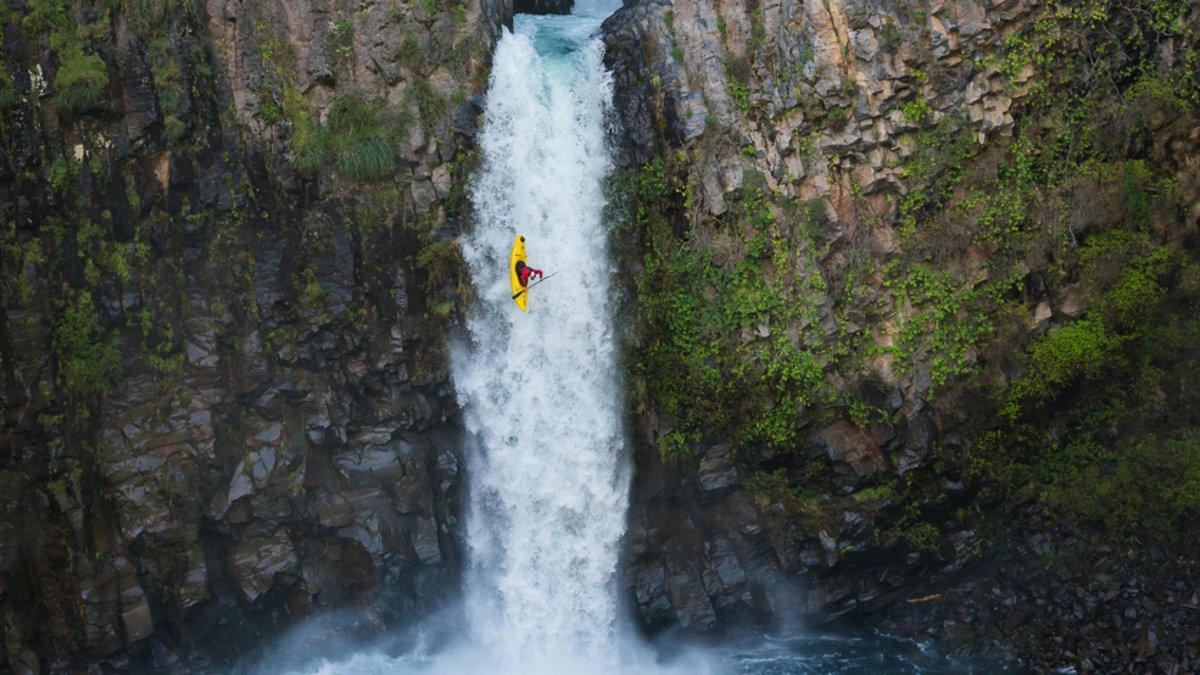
548 469
547 464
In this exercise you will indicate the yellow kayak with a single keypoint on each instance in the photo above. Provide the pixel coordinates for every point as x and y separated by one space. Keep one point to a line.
518 255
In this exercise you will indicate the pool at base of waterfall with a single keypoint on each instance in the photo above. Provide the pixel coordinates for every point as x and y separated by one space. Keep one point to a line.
830 653
327 646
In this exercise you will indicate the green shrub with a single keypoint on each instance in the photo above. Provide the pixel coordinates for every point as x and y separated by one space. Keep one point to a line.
8 91
1111 246
173 130
62 174
459 59
366 158
1159 89
343 34
935 168
1150 489
889 36
1124 274
146 16
917 111
736 78
430 103
440 260
716 354
921 536
88 358
43 16
80 80
1135 295
359 138
945 322
270 111
309 141
169 81
1076 352
308 147
875 495
795 492
410 53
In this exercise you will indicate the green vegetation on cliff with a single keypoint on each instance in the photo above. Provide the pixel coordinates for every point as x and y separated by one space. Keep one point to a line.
712 359
88 356
172 289
1084 197
80 80
360 138
1032 296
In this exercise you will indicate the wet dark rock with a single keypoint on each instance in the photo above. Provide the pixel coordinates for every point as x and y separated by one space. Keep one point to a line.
854 452
1085 621
650 588
633 72
726 565
543 6
717 469
255 563
691 603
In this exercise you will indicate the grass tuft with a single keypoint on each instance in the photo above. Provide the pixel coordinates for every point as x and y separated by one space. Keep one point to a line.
80 80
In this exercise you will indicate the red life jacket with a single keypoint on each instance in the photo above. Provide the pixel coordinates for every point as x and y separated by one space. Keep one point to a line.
525 271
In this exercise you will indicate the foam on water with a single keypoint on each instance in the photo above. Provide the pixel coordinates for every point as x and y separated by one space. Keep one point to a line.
549 471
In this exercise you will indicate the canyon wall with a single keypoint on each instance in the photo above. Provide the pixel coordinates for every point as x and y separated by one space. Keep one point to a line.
901 278
228 266
908 315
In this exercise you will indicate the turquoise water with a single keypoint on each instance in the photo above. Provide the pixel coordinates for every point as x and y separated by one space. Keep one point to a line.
323 646
832 654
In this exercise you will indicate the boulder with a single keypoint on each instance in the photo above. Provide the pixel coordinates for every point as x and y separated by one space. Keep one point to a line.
726 564
855 455
256 562
717 469
693 609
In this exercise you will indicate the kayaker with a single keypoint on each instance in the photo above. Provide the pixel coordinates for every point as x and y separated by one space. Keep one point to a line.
524 272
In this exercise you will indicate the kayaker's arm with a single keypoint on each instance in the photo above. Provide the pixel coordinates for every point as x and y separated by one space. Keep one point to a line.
522 291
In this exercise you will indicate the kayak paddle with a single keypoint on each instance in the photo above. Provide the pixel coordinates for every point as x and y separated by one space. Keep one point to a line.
518 294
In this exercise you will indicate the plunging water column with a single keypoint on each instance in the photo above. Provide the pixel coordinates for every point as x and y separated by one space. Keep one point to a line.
548 471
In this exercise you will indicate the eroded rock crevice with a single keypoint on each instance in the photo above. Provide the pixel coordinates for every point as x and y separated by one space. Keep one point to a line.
543 6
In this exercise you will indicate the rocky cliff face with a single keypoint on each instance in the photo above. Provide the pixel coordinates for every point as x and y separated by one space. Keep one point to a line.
884 259
228 262
912 325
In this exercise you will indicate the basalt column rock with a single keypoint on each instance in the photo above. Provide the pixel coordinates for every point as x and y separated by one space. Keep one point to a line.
231 268
808 97
843 285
